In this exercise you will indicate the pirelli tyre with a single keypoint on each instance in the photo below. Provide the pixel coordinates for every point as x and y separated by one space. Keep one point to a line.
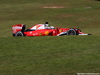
19 34
71 32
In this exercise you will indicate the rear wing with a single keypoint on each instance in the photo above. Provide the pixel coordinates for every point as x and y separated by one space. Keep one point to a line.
18 27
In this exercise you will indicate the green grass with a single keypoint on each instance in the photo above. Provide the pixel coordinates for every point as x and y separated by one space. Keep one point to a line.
47 56
50 55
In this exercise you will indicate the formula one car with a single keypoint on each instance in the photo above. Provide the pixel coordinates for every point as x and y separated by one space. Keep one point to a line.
44 30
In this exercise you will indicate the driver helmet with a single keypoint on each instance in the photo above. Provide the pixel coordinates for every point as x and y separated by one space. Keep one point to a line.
46 24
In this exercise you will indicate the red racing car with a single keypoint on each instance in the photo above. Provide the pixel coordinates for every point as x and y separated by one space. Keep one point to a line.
44 30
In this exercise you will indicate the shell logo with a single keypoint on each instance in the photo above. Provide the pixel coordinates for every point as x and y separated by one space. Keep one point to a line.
40 34
60 30
37 27
46 33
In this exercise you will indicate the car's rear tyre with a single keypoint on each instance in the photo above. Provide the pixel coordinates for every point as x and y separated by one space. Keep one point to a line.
19 34
13 35
72 32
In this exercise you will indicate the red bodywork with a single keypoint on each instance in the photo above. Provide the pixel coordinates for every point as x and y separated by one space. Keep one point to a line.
19 30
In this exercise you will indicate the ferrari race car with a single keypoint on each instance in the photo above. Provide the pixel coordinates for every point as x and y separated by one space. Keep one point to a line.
44 30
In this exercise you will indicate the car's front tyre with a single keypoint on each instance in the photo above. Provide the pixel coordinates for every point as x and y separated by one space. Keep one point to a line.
71 32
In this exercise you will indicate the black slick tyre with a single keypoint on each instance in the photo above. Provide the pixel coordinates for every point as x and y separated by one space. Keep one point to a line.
19 34
71 32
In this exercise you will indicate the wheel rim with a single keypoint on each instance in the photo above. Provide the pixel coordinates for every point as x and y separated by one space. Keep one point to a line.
19 34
